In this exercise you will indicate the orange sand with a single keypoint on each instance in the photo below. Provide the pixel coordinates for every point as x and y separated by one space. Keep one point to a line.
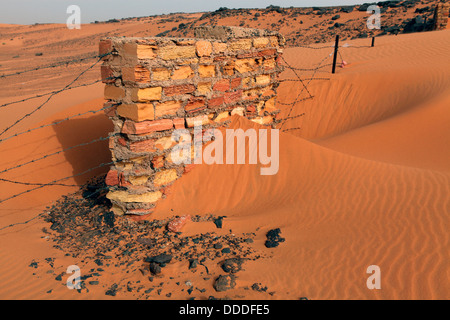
365 182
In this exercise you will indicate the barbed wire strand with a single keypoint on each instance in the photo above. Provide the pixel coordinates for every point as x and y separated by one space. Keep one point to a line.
49 98
60 121
54 65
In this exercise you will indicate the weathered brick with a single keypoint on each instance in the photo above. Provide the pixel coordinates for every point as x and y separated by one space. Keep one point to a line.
203 48
216 102
167 108
206 71
131 127
160 74
241 44
110 109
124 196
143 146
179 89
138 74
246 65
201 119
146 94
158 162
107 74
260 42
137 112
184 72
219 47
145 51
236 82
112 178
114 93
222 85
263 80
204 88
105 46
195 105
231 97
176 52
165 177
164 143
267 52
179 123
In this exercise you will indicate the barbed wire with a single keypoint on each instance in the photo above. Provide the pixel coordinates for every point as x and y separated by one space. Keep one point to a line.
49 93
61 121
54 65
49 98
54 182
57 152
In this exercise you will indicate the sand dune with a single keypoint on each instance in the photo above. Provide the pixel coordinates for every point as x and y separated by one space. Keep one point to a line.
365 182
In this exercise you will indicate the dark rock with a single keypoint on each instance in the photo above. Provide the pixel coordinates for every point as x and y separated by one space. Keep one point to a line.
232 265
224 283
161 259
219 222
193 263
273 238
112 291
155 268
258 287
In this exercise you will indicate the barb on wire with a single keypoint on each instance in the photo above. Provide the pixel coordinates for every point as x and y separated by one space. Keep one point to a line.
56 64
48 99
60 121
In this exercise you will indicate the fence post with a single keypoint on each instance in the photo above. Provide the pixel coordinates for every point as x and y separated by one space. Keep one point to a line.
373 42
336 48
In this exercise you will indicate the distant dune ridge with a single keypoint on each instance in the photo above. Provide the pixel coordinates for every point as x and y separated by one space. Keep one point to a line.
365 181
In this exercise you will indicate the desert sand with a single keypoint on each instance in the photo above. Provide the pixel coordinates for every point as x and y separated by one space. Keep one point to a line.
365 181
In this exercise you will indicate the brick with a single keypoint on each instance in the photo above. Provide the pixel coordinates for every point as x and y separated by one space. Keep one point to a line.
263 120
241 44
222 85
177 52
112 178
203 48
138 180
206 71
160 74
223 116
145 51
143 146
270 105
269 64
261 42
239 111
131 127
267 53
146 94
204 88
263 80
137 112
164 143
110 109
179 123
168 108
215 102
219 47
107 74
178 90
137 74
124 196
246 65
158 162
114 93
202 119
232 97
184 72
105 46
195 105
165 177
236 82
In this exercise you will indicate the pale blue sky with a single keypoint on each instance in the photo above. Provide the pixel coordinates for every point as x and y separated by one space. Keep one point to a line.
32 11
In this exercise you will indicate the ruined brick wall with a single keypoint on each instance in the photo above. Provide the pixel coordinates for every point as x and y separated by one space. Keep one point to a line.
157 85
441 15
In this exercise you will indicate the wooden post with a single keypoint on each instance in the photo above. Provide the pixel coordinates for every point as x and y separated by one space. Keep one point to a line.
373 42
336 49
